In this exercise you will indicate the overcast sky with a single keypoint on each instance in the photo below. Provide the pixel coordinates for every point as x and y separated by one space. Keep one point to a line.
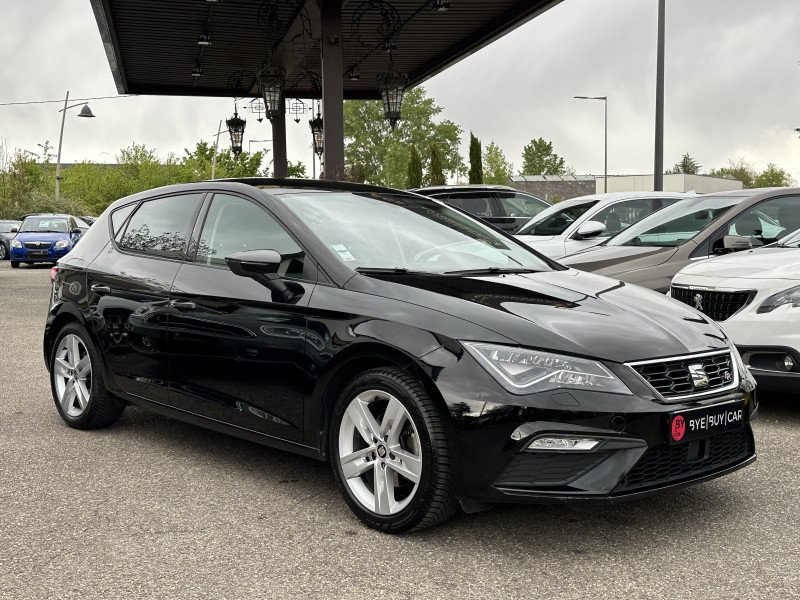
732 87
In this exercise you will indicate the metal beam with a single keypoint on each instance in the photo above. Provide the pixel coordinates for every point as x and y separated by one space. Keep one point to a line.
279 164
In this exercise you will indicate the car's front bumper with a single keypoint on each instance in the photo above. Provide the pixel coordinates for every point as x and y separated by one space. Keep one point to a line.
637 456
48 255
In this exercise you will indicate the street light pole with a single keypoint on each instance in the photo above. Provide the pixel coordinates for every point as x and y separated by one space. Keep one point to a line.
605 136
85 112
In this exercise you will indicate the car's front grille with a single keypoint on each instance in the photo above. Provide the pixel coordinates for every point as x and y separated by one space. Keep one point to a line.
717 305
668 464
673 378
37 245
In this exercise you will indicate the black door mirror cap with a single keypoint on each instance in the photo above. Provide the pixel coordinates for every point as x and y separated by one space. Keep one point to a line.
76 231
254 262
262 266
14 229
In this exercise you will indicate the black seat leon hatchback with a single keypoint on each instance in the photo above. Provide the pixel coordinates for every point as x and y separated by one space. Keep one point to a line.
432 359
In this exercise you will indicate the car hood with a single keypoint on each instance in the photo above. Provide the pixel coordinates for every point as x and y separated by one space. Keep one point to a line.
564 311
612 260
33 236
765 263
551 246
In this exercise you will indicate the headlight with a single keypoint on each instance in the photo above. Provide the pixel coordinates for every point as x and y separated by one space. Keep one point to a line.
790 296
16 244
522 371
61 244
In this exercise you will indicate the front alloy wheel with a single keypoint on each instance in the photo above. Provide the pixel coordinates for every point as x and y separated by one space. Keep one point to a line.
381 462
390 454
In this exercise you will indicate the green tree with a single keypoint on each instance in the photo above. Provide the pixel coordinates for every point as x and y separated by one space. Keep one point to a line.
415 169
687 165
437 174
376 154
739 169
773 176
538 158
296 170
475 162
497 169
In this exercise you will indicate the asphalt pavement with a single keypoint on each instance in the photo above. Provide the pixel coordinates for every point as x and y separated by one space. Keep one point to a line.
154 508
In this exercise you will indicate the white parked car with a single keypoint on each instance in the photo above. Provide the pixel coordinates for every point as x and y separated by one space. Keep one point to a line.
755 297
583 222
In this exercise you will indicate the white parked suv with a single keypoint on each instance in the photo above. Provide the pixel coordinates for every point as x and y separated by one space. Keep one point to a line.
580 223
755 297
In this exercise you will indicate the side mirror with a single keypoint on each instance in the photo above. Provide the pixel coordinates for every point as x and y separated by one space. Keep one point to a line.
261 265
590 229
76 231
734 243
14 229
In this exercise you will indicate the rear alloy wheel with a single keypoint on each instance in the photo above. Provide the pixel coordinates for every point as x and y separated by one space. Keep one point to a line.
3 252
390 454
77 382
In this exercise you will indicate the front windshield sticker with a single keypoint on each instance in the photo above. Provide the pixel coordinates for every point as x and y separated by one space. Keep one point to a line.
44 224
343 252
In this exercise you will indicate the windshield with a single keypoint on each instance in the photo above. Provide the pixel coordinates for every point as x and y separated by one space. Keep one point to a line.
398 232
676 224
45 225
6 227
556 219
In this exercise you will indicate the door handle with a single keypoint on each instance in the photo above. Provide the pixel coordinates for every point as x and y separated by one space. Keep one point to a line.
101 290
183 304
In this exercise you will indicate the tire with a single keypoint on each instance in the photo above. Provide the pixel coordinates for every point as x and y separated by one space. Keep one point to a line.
14 264
3 252
76 380
412 459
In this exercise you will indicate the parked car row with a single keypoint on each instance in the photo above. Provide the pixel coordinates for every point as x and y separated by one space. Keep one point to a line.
732 256
433 359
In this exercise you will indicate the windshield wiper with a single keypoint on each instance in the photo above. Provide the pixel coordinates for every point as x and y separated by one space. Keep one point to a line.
491 270
393 270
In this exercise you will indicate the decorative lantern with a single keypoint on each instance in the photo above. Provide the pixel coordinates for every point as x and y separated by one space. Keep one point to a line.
271 81
236 129
392 87
316 132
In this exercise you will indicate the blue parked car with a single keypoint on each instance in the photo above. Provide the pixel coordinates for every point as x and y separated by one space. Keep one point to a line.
45 238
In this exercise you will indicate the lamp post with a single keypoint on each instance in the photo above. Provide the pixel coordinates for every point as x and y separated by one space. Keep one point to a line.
605 167
85 112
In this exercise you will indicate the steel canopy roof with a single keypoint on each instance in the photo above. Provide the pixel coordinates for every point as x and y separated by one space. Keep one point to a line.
152 46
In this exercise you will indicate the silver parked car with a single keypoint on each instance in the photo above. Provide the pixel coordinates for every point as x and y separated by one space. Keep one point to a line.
583 222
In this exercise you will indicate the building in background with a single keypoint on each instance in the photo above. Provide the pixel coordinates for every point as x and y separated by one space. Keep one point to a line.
555 188
681 182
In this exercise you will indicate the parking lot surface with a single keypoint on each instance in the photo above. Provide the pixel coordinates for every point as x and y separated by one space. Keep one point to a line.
154 508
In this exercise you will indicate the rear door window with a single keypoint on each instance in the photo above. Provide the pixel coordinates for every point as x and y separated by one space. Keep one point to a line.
159 227
515 204
475 203
622 215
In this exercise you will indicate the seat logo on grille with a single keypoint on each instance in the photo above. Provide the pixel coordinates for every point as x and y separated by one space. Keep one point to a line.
698 302
699 377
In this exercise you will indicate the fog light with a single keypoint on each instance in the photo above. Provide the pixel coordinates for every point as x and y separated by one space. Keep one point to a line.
788 363
559 443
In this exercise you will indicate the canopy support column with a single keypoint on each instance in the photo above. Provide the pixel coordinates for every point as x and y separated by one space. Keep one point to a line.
332 90
279 164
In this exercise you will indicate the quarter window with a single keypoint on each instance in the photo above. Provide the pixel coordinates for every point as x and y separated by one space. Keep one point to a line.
236 225
159 226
